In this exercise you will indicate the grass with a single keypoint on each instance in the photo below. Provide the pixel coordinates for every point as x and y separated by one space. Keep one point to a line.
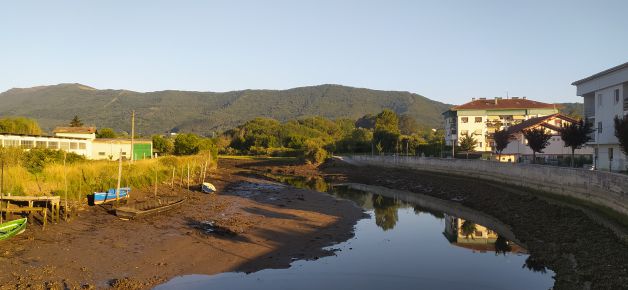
90 176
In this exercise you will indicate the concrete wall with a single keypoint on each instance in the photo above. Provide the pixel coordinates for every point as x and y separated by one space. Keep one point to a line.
598 187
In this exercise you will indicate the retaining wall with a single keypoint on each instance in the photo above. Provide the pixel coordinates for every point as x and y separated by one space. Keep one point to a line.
598 187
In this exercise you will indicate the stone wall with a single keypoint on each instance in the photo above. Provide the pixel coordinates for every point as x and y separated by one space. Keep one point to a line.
598 187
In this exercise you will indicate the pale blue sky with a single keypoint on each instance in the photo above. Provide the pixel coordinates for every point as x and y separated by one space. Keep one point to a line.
445 50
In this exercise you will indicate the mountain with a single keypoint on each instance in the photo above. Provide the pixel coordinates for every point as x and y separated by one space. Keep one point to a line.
206 112
575 110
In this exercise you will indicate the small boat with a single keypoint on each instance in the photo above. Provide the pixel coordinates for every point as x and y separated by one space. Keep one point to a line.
12 228
207 187
102 197
139 209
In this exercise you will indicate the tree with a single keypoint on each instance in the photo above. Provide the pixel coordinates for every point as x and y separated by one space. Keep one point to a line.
19 125
76 122
387 120
407 125
163 145
387 130
621 132
502 138
538 139
575 135
106 133
467 144
186 144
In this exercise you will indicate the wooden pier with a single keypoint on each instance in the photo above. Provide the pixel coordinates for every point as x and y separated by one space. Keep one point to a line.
13 204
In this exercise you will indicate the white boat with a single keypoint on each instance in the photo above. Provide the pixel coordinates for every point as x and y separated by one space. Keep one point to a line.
207 187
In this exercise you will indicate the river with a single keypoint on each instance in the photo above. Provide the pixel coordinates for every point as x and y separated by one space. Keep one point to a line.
409 241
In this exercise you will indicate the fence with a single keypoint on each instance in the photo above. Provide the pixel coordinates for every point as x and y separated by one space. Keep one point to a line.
597 187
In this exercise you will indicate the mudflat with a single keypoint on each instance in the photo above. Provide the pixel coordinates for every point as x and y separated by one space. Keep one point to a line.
249 225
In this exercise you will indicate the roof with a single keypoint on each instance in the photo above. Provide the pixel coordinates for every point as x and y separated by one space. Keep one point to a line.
5 134
539 121
602 73
77 130
121 140
501 104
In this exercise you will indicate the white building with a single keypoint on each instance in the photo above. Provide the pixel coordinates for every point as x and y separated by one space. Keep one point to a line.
68 144
482 117
605 97
82 141
518 148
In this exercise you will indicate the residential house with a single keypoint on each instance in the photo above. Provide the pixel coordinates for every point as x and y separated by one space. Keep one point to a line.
605 97
518 150
482 117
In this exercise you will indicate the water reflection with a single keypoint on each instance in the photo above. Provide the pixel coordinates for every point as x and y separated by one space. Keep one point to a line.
467 234
386 216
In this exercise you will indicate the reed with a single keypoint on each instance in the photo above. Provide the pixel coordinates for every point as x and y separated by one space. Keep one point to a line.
88 176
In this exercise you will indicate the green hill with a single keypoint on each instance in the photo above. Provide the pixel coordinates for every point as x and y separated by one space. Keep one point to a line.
206 112
575 110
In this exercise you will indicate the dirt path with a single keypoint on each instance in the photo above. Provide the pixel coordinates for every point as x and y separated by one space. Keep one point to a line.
263 225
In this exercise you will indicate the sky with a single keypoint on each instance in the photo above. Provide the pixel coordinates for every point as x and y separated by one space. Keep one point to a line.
448 51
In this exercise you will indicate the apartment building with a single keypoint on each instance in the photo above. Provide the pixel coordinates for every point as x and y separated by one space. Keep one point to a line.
482 117
605 96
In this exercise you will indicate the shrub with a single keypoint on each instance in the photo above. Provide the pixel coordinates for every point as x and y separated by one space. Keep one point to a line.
315 155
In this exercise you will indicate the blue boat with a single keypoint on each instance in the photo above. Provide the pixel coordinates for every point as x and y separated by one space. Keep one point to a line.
102 197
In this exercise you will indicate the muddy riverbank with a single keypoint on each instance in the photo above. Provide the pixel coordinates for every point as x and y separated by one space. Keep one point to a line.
251 224
582 253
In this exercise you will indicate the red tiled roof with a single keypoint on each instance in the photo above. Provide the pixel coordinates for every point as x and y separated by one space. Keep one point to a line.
539 121
492 104
78 130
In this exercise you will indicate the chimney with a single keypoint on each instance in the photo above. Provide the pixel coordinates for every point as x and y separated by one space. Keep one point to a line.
524 98
496 100
472 99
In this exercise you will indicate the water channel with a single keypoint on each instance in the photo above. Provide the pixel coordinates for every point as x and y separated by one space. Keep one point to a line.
410 241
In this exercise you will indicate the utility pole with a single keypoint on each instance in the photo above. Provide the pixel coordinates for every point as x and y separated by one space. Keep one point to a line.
132 135
119 176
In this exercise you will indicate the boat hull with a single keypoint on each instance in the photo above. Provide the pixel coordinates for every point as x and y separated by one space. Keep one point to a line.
110 195
12 228
140 209
207 187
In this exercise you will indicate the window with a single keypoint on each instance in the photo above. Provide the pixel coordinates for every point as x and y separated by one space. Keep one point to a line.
599 127
123 153
465 119
101 153
599 100
53 145
65 146
616 96
478 119
40 144
10 143
610 153
480 144
73 145
28 144
82 146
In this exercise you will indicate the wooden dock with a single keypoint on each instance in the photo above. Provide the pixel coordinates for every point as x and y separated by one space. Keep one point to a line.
30 204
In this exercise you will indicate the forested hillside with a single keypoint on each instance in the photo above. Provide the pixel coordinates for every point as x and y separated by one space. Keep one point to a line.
207 112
